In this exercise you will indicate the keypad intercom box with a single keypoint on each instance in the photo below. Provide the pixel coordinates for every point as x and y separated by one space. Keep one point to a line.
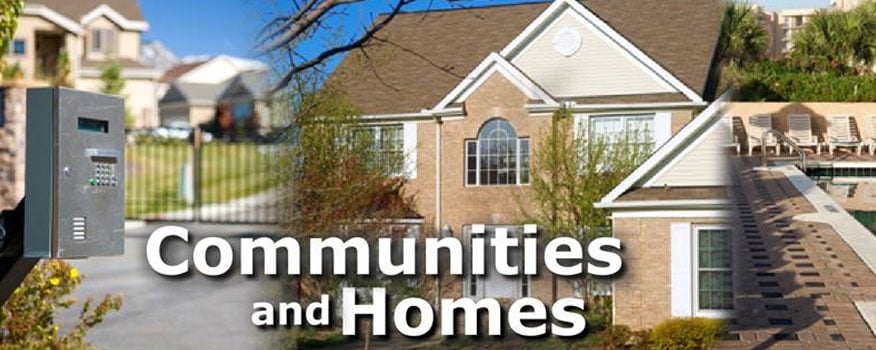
75 179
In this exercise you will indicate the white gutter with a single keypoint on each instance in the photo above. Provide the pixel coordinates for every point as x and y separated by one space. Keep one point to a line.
574 107
664 204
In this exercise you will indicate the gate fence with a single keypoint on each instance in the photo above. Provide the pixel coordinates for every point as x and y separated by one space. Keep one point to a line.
216 182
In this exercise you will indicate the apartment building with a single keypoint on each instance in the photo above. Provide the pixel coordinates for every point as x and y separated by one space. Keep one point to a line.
91 32
469 99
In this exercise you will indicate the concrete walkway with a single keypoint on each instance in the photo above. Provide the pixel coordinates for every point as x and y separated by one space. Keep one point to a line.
801 286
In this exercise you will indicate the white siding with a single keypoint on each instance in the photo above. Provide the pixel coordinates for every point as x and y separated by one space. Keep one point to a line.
598 68
703 163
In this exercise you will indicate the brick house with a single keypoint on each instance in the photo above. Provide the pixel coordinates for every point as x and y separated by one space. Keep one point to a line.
467 93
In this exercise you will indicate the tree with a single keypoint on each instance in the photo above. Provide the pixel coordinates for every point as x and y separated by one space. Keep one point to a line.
62 71
835 39
312 21
114 84
743 38
9 12
571 172
111 76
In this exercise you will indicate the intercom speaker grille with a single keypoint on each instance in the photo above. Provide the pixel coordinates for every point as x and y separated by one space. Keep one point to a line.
79 228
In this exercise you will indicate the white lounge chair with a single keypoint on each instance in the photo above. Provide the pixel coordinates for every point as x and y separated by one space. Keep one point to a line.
731 141
800 131
872 138
757 126
840 134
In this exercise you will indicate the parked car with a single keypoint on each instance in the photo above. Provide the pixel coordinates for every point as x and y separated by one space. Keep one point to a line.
179 131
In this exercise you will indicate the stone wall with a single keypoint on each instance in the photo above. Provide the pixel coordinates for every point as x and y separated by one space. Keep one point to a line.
12 144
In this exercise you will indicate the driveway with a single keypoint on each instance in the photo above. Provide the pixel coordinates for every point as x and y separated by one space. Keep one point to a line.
192 312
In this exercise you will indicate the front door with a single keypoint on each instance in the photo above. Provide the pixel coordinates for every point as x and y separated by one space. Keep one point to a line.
493 284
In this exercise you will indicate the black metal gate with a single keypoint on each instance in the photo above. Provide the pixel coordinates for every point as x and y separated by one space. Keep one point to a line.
217 181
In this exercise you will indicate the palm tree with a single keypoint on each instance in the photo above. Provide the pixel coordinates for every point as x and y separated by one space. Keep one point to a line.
833 39
743 38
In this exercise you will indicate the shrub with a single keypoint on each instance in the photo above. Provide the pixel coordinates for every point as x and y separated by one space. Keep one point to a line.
789 79
621 337
27 319
615 337
687 333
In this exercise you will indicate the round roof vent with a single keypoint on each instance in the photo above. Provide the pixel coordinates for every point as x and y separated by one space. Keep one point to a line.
567 41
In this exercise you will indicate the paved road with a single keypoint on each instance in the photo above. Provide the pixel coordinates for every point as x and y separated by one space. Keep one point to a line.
193 312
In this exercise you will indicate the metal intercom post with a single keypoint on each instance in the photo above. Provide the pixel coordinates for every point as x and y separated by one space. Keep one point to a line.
75 180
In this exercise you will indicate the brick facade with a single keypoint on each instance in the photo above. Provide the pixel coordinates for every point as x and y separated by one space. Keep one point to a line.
463 205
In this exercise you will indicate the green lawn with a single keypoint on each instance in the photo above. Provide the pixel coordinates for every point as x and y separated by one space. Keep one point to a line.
228 171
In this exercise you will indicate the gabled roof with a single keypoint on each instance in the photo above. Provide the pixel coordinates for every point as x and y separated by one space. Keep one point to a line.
419 58
252 84
199 94
494 64
692 133
75 9
178 70
71 15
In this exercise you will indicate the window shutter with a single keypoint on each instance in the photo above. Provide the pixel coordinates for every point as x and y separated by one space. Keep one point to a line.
662 128
681 265
410 149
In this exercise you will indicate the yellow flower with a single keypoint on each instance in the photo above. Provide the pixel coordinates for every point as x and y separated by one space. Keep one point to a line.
54 281
55 328
74 272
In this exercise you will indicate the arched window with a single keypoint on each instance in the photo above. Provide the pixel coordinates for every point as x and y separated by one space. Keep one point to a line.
497 157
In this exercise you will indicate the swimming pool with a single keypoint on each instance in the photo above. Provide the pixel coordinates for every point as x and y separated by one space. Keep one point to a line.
854 188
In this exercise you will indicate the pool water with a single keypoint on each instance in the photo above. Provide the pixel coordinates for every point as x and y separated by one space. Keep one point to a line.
853 188
868 218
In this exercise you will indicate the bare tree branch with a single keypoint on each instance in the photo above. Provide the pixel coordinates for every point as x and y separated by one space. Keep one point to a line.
297 68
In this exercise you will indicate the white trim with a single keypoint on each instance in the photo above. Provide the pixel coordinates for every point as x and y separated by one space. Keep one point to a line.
682 269
580 108
409 141
551 13
127 73
690 131
492 64
695 237
116 17
662 128
692 213
54 17
666 204
684 153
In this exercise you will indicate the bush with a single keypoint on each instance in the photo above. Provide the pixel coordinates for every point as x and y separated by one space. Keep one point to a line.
27 320
615 337
621 337
789 80
687 333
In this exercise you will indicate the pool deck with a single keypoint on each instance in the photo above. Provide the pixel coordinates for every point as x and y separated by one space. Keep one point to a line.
806 269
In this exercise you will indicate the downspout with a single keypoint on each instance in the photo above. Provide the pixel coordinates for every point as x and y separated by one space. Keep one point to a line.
437 228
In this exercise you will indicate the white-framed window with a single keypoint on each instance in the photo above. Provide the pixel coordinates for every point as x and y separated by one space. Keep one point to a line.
17 47
713 274
497 157
616 128
103 40
388 143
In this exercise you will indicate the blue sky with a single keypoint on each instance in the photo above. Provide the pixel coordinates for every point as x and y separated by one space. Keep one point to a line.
211 27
